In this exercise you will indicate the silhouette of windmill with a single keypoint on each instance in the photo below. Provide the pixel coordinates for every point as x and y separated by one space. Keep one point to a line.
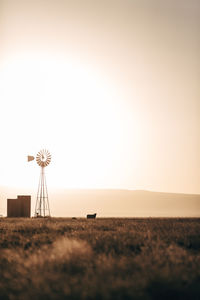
42 208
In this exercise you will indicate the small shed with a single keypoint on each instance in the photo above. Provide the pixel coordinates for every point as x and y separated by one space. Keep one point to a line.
20 207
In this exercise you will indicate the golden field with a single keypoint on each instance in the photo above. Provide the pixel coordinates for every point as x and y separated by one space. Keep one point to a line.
63 258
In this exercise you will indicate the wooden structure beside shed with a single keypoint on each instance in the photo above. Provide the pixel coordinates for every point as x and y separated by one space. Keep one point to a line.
20 207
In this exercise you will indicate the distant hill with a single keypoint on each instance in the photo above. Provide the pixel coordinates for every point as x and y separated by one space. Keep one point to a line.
126 203
112 203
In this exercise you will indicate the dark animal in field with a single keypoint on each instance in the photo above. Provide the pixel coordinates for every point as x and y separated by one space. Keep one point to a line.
91 216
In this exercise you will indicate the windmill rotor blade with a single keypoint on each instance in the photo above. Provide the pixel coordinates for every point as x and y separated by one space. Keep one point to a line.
43 158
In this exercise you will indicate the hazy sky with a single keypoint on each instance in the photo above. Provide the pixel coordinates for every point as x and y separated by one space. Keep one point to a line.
110 88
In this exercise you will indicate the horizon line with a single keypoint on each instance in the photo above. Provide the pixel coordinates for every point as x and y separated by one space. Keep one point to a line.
100 189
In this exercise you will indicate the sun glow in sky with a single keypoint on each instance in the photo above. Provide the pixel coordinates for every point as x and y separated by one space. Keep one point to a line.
70 109
110 88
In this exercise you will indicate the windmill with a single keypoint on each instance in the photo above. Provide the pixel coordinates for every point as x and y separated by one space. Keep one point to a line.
42 209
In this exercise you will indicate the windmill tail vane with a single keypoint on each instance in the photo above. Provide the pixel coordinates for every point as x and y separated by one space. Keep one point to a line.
30 158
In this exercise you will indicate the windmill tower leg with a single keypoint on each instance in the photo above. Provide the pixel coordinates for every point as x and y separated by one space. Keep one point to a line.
47 207
42 202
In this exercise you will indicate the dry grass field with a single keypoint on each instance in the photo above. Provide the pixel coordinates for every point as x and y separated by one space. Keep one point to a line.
61 258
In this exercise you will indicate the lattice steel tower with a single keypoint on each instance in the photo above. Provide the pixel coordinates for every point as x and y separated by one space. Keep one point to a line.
42 208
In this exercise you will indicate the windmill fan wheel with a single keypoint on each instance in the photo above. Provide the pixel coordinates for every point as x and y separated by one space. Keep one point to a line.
43 158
